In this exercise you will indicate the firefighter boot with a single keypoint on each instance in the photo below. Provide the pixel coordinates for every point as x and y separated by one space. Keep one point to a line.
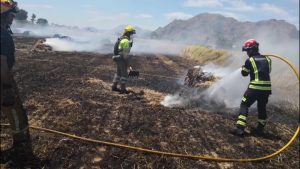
258 131
123 89
238 131
115 88
22 151
20 138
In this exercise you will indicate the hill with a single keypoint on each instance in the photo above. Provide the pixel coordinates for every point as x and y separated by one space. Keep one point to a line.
224 32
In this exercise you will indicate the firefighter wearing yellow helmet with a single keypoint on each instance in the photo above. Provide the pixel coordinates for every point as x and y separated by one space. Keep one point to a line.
11 104
121 52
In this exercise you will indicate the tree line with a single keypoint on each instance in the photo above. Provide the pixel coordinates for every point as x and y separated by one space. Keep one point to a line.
22 16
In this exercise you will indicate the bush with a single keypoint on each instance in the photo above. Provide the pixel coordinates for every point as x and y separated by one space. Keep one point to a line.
42 21
22 15
205 54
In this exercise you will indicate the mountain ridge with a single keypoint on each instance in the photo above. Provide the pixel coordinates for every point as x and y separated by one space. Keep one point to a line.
225 32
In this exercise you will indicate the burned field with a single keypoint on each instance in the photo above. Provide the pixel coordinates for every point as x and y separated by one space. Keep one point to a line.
70 92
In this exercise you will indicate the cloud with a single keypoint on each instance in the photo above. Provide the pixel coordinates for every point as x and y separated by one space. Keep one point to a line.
234 5
203 3
279 13
178 15
238 5
144 16
230 7
273 9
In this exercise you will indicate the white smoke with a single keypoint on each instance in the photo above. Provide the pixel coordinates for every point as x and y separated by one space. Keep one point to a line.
101 41
225 92
92 45
105 45
173 100
228 91
157 46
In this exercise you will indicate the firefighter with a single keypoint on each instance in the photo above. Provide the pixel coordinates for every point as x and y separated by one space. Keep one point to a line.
259 89
121 51
11 104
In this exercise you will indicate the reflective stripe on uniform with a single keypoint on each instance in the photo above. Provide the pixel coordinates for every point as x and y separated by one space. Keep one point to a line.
254 68
245 69
241 123
244 99
260 82
242 117
259 87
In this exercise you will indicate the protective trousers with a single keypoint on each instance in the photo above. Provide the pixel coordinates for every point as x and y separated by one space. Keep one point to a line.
122 75
248 99
12 107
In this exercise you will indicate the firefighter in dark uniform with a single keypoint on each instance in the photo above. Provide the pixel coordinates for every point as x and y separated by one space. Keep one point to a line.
11 104
259 89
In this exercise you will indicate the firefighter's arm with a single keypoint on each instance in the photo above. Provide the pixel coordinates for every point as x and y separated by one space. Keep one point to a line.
6 74
246 68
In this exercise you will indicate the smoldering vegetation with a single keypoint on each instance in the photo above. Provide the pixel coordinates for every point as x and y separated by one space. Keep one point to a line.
225 93
70 92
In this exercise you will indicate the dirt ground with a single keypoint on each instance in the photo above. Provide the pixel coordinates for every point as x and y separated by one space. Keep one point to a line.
70 92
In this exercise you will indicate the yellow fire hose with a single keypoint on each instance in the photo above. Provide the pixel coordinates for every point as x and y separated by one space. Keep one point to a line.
197 157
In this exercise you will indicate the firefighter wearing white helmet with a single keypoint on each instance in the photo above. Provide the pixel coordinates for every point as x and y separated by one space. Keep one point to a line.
11 104
259 89
121 52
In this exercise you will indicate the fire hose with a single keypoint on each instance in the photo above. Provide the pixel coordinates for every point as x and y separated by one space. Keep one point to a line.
171 154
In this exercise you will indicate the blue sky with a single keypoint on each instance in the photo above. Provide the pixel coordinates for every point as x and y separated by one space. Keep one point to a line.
150 14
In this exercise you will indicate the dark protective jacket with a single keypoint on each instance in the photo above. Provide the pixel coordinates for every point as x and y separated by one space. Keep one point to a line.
259 68
7 47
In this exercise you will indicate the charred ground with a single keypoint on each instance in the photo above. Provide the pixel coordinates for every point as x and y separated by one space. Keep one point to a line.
70 92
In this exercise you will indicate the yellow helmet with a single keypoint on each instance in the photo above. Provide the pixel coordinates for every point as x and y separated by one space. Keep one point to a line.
8 6
129 28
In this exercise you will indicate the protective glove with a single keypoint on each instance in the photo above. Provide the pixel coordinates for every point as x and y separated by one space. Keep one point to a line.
245 71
